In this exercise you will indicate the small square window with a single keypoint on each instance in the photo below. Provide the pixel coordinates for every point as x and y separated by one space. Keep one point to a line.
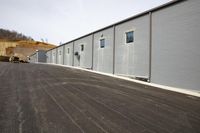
68 50
59 52
129 37
82 47
102 43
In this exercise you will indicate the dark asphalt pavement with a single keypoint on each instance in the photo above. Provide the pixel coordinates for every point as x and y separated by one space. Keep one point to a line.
36 98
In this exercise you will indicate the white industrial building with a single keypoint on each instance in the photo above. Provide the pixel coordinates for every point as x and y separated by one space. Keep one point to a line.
161 45
38 56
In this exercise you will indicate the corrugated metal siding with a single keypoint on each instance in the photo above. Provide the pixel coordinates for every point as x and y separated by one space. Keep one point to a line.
60 55
33 58
48 54
133 59
176 45
86 55
54 56
68 55
103 57
41 56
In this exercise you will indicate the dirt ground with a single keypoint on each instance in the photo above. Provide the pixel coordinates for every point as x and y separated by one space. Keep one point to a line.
38 98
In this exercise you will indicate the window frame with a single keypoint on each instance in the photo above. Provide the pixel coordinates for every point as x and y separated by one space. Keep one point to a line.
126 39
68 50
100 40
82 48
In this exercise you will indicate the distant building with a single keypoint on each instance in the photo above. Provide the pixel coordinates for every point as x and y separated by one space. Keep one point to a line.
21 49
38 56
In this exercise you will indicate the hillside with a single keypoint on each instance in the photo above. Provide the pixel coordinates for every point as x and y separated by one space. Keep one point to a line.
22 49
13 43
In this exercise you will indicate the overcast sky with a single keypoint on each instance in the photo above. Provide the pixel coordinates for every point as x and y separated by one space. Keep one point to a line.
64 20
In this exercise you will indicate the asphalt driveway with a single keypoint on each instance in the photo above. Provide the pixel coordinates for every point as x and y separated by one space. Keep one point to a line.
36 98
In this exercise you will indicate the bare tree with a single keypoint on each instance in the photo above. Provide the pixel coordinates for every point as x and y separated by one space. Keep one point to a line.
13 35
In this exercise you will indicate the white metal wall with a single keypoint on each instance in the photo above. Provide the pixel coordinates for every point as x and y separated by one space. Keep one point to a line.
86 55
132 59
41 56
33 58
48 54
103 57
175 56
68 54
60 55
54 55
176 45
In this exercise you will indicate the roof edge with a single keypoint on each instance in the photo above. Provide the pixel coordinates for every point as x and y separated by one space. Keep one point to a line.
125 20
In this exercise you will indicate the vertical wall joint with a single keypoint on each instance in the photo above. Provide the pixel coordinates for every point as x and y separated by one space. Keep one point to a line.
63 54
150 45
73 54
114 49
92 67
